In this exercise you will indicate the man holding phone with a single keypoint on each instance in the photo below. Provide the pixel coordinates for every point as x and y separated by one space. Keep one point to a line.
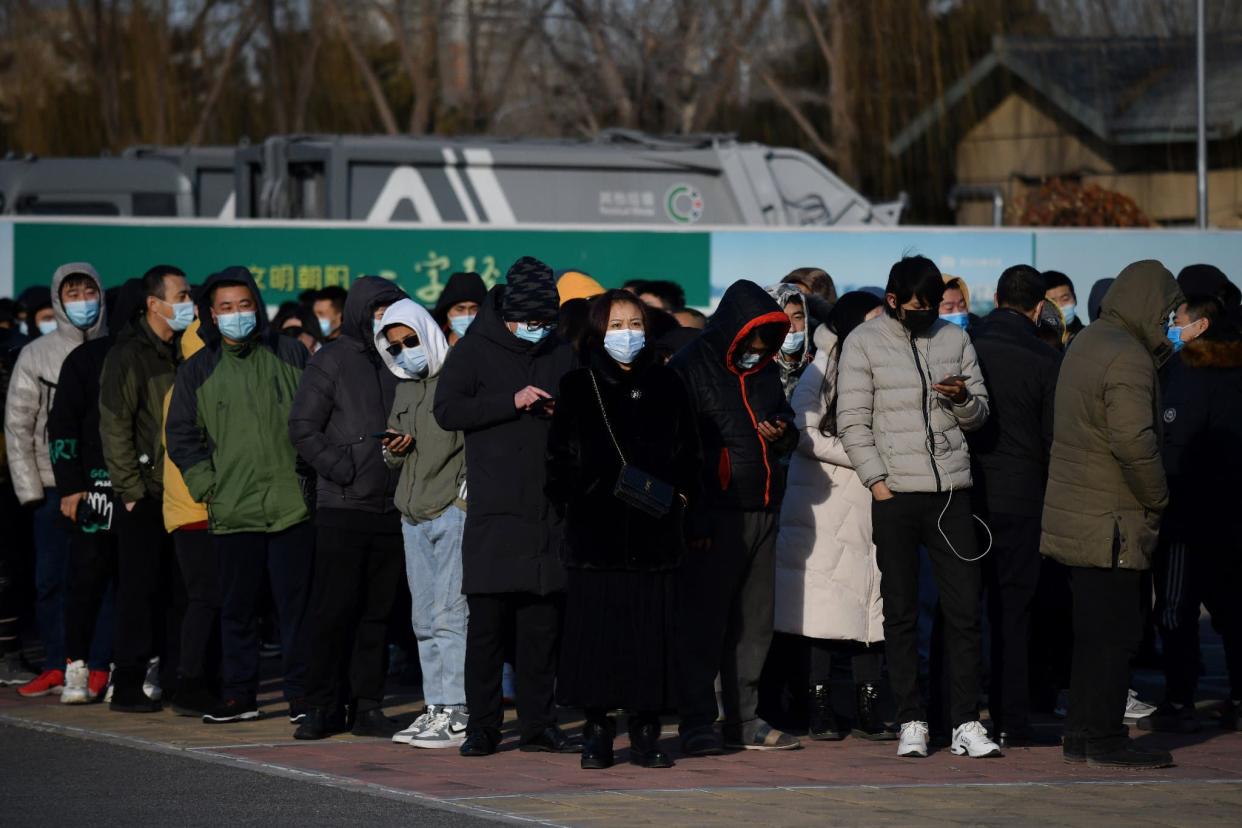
336 423
729 575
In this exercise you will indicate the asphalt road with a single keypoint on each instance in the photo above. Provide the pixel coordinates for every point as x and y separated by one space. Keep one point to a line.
47 778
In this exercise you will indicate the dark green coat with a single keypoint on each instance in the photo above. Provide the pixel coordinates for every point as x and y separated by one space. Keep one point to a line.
1106 483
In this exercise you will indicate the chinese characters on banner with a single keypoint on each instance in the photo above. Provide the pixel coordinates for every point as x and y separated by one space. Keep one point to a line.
425 283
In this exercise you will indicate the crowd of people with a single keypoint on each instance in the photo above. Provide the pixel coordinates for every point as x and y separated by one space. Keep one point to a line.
628 505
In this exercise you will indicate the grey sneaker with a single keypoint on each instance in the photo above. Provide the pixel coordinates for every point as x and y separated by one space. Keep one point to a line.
14 671
418 726
447 731
151 682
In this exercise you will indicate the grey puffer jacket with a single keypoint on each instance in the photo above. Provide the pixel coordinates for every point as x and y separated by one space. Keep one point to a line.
894 426
33 387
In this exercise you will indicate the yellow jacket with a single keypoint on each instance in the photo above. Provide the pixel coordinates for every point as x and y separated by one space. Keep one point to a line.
179 508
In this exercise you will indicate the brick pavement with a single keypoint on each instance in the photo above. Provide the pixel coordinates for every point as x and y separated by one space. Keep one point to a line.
848 783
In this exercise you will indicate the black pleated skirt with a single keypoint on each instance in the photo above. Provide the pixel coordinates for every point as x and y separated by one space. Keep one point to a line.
617 646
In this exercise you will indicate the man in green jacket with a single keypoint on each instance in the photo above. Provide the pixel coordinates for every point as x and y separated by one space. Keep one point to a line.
1106 491
137 373
227 433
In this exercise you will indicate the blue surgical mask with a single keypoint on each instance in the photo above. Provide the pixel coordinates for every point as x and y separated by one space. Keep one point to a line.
962 320
794 341
1174 334
459 324
1069 312
623 346
183 315
528 334
82 313
413 361
748 360
47 326
23 328
236 326
325 326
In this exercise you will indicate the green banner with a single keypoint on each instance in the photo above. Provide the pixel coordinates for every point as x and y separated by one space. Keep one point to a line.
288 260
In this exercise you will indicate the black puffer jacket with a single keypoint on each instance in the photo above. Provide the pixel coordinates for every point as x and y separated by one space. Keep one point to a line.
1009 454
1201 409
654 424
343 399
513 535
741 470
73 432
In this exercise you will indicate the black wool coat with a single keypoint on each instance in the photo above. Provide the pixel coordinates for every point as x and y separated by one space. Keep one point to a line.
513 535
654 424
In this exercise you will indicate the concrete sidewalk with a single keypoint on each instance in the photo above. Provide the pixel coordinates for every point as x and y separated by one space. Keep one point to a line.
849 783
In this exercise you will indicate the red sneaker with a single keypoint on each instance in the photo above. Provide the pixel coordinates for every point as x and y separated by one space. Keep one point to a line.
97 683
49 681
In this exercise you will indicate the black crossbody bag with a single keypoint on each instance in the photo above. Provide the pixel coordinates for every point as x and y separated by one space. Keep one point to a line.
634 486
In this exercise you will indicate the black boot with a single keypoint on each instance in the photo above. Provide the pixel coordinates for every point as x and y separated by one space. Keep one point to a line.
645 742
319 723
128 697
194 699
870 725
822 722
597 736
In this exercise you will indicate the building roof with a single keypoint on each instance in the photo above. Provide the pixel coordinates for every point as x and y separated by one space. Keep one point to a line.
1129 90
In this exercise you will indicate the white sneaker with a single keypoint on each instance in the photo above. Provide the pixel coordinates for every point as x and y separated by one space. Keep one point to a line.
913 740
448 731
151 682
77 683
108 692
1137 709
418 726
971 739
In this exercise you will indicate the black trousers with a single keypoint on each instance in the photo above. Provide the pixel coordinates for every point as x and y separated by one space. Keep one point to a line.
356 578
92 572
149 597
536 621
200 626
866 662
1011 577
1052 635
245 558
727 597
900 525
1188 577
1108 627
16 569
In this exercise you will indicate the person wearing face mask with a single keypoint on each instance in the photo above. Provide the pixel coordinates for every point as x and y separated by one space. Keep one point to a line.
77 295
228 433
458 304
342 402
1059 290
495 389
909 388
1201 402
725 617
431 496
137 373
329 309
796 350
621 561
955 303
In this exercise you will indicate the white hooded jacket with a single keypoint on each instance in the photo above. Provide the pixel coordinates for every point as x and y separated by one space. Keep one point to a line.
33 386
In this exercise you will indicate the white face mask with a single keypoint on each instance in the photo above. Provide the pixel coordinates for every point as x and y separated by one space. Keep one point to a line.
623 346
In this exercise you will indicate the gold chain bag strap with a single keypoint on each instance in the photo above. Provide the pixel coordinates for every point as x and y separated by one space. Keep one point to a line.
634 486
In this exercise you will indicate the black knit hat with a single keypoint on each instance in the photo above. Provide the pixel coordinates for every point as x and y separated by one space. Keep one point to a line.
461 287
530 293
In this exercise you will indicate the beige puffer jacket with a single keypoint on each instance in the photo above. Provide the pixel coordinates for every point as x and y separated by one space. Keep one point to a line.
827 581
33 387
894 426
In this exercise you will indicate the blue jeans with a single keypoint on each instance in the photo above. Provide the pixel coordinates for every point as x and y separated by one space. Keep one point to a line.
433 567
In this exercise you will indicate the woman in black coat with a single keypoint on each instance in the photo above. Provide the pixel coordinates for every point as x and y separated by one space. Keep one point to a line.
621 561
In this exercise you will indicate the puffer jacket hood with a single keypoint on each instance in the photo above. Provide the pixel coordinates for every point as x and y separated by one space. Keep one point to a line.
367 294
208 331
745 309
1140 301
414 316
63 325
784 295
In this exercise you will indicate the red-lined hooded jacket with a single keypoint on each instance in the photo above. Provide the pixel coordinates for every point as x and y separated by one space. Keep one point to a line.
742 471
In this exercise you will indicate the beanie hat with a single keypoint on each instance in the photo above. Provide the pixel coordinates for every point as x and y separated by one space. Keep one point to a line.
530 292
461 287
1202 279
575 284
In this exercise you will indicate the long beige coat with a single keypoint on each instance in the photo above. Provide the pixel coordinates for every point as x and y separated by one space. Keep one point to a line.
827 581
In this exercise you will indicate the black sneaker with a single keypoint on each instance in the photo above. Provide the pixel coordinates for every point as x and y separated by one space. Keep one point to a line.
480 743
550 740
1171 719
1073 750
298 708
195 701
319 724
231 711
701 742
1131 757
133 700
374 723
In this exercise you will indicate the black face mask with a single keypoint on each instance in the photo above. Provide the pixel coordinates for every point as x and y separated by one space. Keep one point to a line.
918 321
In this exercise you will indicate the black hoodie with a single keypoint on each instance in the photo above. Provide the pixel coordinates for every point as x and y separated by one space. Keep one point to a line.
513 536
343 400
742 471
